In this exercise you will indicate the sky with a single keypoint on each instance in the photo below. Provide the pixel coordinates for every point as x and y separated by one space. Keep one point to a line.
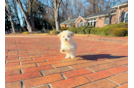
85 4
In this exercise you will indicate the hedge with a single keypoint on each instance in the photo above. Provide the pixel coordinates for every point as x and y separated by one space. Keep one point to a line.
81 30
120 32
108 29
55 32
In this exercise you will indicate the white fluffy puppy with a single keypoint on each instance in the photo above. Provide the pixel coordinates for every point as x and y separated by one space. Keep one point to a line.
68 46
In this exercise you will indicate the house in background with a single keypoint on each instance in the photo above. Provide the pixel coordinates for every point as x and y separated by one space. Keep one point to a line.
116 14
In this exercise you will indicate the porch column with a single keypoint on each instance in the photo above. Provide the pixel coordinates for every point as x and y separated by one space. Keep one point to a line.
99 23
89 23
119 14
92 22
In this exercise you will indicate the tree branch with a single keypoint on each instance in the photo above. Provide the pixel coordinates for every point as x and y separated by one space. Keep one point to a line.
20 5
7 14
58 4
45 5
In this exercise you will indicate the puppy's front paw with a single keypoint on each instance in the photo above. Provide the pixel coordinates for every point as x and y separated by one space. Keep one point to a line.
66 57
72 57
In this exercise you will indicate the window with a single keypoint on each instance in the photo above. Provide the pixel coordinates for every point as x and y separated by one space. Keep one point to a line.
88 24
122 16
107 21
69 25
81 23
126 17
92 22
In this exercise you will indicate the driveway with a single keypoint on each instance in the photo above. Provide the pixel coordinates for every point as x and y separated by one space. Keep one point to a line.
34 61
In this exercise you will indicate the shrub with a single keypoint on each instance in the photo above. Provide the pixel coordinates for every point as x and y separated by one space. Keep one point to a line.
108 29
62 29
88 29
94 30
127 32
24 29
81 30
54 32
120 31
72 29
26 32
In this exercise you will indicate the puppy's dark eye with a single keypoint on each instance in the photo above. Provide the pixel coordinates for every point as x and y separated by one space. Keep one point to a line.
67 36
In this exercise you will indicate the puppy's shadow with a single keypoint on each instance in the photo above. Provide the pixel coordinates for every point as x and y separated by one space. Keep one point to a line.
100 56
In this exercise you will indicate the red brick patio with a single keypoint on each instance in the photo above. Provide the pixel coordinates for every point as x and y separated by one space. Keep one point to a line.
34 61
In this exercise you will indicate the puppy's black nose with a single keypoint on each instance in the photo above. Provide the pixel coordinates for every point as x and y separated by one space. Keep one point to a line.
66 39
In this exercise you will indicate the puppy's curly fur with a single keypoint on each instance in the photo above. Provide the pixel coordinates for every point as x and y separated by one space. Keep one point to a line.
68 46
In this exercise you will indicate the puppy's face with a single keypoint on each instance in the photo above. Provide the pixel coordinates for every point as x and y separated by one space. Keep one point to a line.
66 36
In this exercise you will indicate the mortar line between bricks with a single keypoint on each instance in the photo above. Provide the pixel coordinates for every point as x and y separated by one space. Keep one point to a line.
103 40
52 65
21 71
124 65
32 58
63 76
61 61
45 60
105 69
92 81
122 72
122 84
113 82
37 65
70 67
90 70
20 63
41 73
83 84
86 77
116 61
111 72
22 84
39 86
50 86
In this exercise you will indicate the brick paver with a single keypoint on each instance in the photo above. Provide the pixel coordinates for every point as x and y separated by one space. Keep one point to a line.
35 61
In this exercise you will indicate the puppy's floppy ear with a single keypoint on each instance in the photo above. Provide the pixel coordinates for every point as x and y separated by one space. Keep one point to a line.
72 34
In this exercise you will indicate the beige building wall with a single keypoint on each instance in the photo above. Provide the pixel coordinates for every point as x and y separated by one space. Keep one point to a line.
114 18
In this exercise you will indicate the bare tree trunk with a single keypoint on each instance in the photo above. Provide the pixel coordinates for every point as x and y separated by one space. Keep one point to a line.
52 27
57 23
10 15
25 16
12 24
16 12
32 23
31 15
56 13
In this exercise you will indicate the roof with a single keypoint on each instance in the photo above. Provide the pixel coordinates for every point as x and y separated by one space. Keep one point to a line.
69 21
110 11
78 18
105 12
122 4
